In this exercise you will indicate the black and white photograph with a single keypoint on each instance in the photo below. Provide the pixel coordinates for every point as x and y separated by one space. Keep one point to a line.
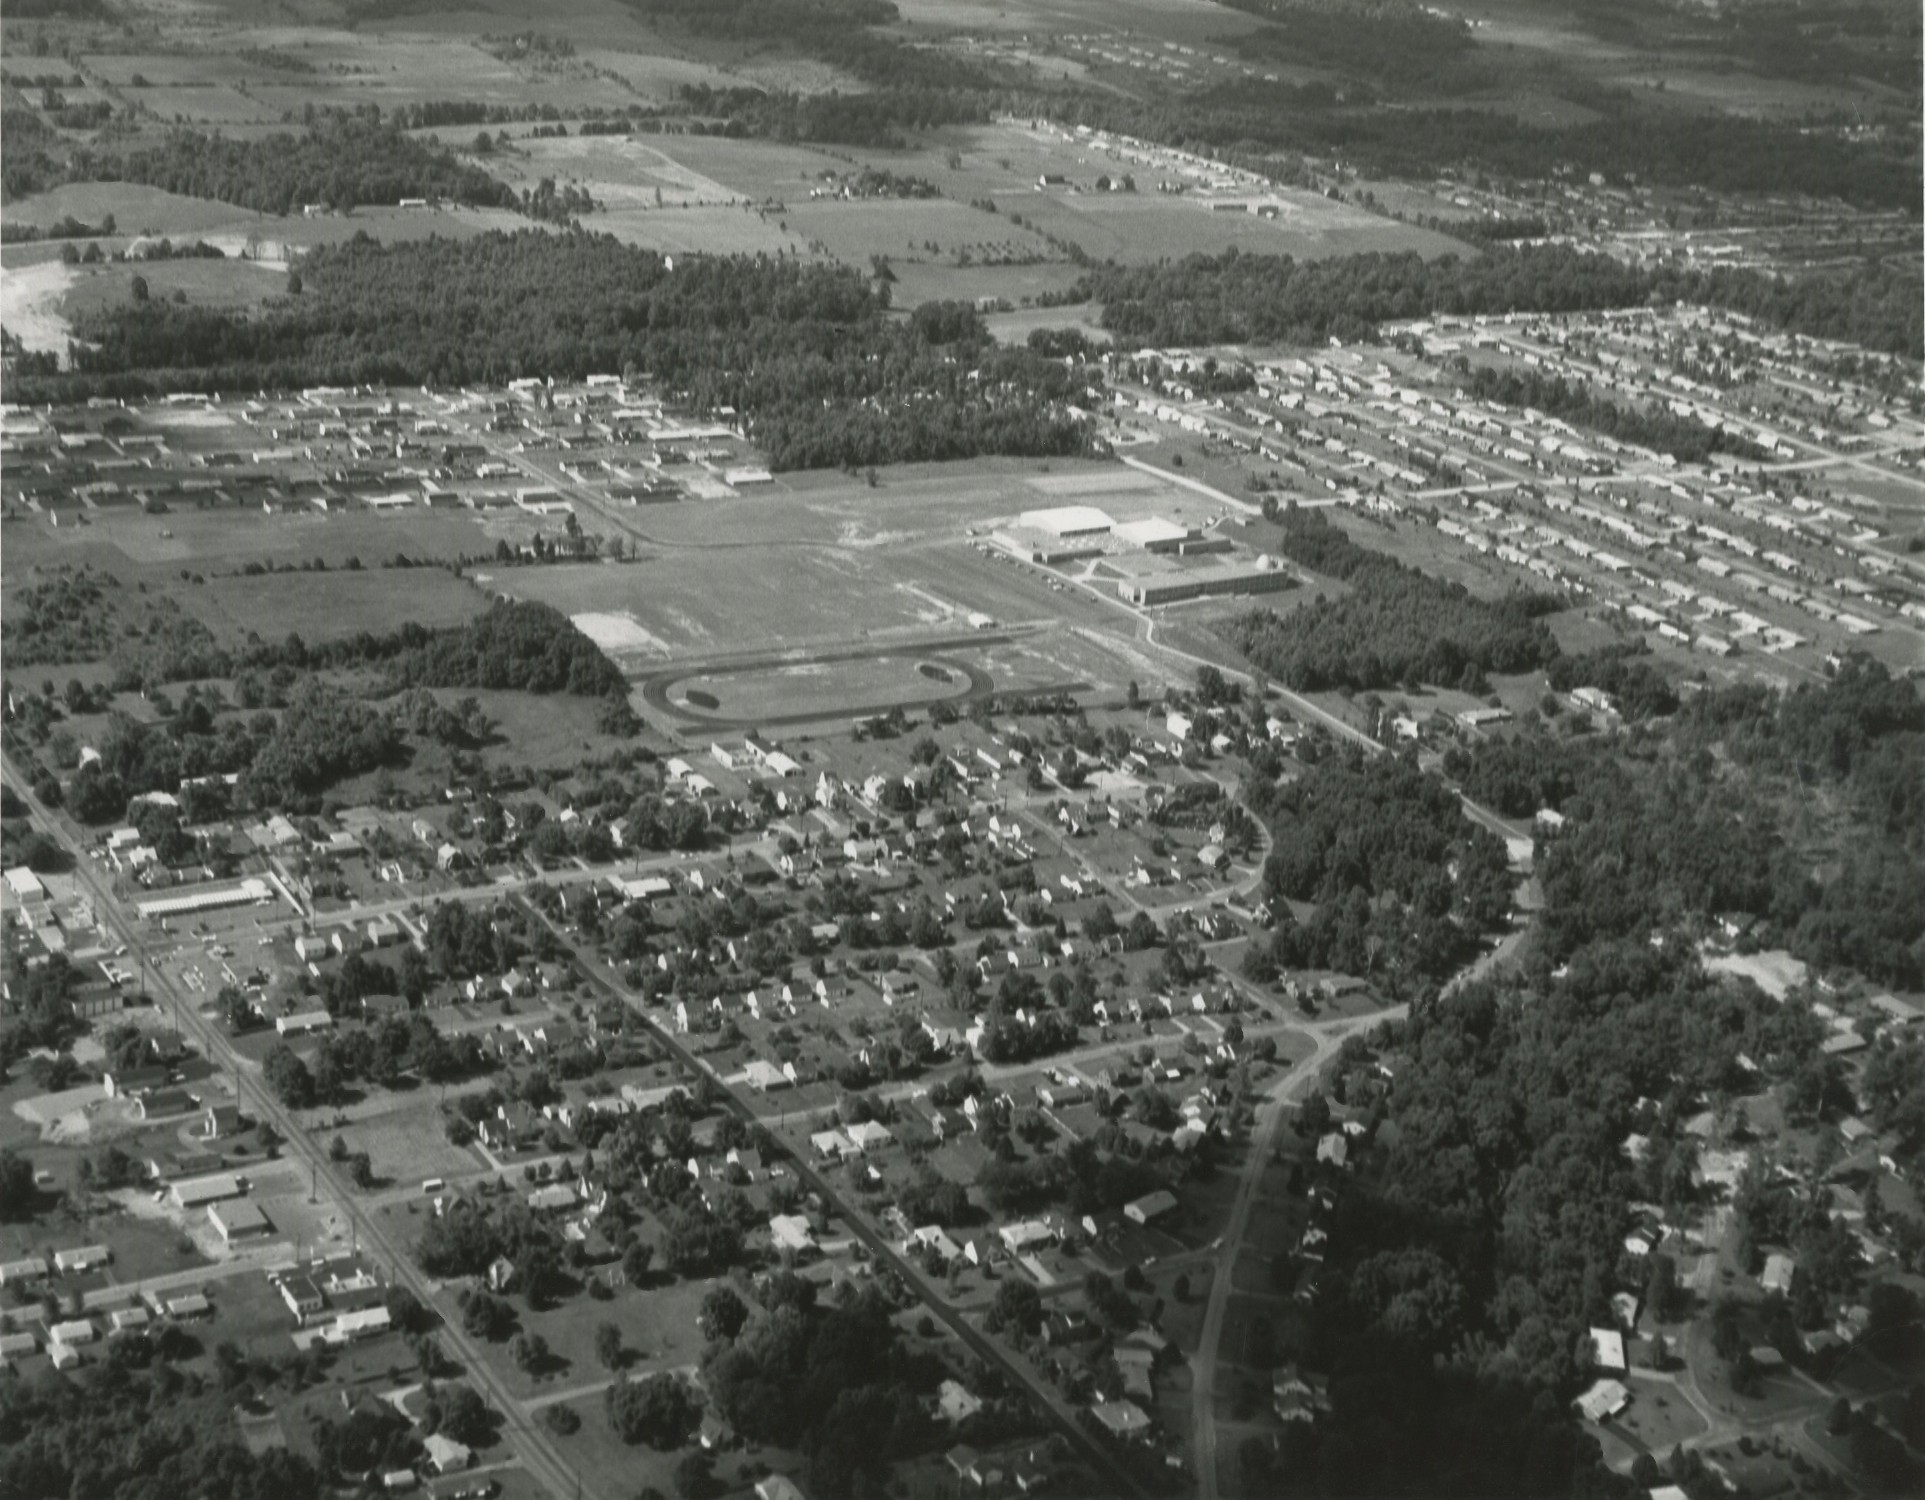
962 749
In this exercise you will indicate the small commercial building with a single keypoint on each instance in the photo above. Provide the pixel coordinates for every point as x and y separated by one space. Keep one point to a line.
238 1220
198 1192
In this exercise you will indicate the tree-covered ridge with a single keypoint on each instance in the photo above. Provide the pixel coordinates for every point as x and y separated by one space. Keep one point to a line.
343 160
1263 299
806 352
1395 625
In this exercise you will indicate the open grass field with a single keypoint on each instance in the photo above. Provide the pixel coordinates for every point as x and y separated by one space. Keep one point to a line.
621 171
709 229
922 281
913 229
321 605
220 541
775 694
208 104
403 1136
755 169
856 563
1150 226
232 284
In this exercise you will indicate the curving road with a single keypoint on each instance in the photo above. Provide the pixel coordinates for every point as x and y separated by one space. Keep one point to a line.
1330 1035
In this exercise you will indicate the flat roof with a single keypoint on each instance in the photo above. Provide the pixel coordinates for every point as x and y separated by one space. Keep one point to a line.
1149 531
1067 520
238 1217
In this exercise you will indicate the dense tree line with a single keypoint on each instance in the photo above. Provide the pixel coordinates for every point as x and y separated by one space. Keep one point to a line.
1261 299
807 352
1461 1279
876 118
137 1425
1404 884
1638 689
766 21
835 1382
516 644
1861 734
1715 816
39 1011
1394 625
1685 438
343 160
62 618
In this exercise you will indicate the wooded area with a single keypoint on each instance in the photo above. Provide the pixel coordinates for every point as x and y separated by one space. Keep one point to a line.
1393 625
343 160
806 352
1237 298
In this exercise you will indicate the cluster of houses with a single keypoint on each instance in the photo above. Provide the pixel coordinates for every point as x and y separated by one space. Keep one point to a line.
334 1302
66 1341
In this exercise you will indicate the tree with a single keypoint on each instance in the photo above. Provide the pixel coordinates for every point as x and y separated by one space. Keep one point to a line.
636 1260
485 1316
695 1475
462 1415
289 1077
608 1346
723 1314
18 1195
1018 1306
529 1351
660 1412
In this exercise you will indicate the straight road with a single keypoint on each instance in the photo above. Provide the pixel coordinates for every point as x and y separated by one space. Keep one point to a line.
1115 1478
531 1445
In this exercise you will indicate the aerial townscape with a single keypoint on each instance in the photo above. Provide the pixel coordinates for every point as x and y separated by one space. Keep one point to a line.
962 749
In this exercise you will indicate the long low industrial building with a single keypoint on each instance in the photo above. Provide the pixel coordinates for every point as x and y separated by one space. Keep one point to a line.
1266 576
203 898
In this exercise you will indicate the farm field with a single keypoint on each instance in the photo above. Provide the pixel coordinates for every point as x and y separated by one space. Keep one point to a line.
320 605
914 229
237 284
217 540
710 228
1147 227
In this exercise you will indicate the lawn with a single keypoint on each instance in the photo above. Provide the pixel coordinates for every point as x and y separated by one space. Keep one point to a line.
228 283
1659 1417
319 606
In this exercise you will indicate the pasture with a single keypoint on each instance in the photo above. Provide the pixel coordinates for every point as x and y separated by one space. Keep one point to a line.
157 549
235 284
1152 226
915 230
711 229
318 606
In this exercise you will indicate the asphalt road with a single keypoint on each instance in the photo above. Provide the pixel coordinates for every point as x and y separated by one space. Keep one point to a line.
531 1445
1105 1464
1330 1035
